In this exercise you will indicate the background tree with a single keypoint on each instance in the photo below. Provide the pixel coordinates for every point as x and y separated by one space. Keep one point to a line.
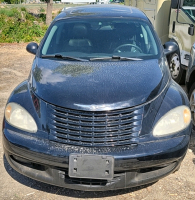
189 3
49 12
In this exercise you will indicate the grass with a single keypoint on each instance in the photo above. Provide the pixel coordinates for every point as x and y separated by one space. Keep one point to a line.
25 22
7 12
36 7
19 25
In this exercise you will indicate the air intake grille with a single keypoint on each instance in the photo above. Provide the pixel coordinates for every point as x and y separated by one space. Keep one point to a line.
95 129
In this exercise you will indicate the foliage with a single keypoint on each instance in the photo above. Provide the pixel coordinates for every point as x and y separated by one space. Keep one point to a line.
42 14
41 10
13 1
18 25
189 3
10 13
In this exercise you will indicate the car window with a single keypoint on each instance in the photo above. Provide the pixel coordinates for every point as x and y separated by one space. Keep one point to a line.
190 11
101 37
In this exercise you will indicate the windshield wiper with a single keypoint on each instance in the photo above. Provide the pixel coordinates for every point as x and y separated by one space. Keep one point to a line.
115 58
63 57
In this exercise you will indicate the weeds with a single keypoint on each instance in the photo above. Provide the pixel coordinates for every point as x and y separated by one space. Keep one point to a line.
18 25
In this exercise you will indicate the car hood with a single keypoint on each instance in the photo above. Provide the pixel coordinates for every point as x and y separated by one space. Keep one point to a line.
97 85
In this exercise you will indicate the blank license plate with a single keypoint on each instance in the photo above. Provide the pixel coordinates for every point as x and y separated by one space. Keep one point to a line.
91 166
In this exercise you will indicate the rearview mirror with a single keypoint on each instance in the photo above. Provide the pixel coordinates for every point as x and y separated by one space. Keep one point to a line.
32 48
174 4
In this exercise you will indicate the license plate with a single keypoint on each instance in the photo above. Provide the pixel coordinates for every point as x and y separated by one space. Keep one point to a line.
91 166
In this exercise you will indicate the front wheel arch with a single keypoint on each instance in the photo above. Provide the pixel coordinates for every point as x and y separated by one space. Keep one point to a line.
177 72
191 97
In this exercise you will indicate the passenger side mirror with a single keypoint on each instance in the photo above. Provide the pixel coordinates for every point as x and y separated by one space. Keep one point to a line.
170 47
176 3
32 48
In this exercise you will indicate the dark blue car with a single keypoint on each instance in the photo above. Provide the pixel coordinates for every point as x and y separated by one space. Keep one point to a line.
99 110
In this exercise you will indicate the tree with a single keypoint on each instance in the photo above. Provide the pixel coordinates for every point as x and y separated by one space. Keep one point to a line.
49 12
189 3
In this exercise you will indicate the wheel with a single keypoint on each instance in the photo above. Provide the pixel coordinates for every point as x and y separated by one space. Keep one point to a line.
177 72
133 47
192 103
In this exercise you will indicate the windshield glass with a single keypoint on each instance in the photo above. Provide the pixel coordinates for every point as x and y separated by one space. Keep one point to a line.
189 8
190 11
101 37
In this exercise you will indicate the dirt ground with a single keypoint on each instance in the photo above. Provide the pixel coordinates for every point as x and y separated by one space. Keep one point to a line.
15 63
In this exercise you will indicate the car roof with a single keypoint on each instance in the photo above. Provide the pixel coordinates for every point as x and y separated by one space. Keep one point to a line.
101 10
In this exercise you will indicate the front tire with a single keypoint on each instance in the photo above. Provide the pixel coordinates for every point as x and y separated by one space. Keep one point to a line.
177 72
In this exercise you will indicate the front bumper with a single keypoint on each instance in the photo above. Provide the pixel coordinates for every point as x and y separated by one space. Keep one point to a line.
48 161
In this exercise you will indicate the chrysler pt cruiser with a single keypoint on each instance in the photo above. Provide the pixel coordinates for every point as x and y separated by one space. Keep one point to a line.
99 110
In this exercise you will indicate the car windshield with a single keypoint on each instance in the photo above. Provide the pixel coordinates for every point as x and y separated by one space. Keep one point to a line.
100 38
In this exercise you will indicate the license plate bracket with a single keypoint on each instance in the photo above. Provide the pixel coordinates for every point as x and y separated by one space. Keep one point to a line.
91 166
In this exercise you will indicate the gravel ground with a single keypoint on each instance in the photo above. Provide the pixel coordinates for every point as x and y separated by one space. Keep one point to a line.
15 65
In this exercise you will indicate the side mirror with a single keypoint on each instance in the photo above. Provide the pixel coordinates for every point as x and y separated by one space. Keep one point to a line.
170 47
32 48
177 4
174 4
191 30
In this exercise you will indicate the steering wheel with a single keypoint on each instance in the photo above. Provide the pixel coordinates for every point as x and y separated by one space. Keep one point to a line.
128 45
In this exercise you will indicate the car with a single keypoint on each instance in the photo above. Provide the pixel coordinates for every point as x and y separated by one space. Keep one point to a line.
190 83
99 110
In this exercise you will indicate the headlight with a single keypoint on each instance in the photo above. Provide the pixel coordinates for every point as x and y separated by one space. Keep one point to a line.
18 117
175 120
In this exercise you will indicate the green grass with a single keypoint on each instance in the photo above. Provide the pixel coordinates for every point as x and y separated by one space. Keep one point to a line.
25 22
18 25
7 12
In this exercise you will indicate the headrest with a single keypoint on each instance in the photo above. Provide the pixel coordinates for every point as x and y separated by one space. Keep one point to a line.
126 29
79 30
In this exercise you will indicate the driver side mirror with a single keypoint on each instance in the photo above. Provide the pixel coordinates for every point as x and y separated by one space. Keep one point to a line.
170 47
32 48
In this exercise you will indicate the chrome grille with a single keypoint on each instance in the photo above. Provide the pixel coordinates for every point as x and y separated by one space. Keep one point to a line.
95 128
